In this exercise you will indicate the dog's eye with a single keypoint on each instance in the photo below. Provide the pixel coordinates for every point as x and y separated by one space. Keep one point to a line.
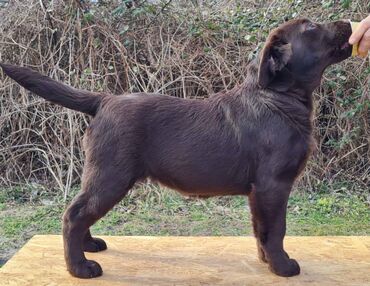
310 26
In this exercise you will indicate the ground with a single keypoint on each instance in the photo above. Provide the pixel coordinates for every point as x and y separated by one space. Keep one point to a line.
152 210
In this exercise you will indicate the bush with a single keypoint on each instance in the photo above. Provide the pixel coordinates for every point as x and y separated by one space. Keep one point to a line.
182 48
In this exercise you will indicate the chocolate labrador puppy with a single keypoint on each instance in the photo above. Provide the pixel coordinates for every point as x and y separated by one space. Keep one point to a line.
253 140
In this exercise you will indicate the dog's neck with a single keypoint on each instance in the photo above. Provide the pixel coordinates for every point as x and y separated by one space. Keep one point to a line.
294 102
295 89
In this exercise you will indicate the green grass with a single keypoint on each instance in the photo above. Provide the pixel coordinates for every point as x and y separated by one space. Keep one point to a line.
328 214
150 210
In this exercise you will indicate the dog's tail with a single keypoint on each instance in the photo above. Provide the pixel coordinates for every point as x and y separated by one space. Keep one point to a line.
56 92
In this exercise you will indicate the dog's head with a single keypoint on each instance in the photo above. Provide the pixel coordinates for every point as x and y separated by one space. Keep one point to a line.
300 50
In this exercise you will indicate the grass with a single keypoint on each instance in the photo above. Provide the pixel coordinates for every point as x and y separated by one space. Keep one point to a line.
151 210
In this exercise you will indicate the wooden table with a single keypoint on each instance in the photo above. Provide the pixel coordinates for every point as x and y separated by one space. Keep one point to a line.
138 260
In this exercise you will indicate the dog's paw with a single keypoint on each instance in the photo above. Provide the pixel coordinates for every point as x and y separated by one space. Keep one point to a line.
289 267
86 269
262 256
94 245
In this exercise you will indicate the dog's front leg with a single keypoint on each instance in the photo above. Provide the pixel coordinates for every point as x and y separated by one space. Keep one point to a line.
268 203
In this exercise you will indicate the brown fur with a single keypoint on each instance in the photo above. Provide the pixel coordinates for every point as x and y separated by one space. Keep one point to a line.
253 140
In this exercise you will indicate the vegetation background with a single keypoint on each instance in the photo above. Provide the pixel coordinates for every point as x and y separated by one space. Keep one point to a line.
188 49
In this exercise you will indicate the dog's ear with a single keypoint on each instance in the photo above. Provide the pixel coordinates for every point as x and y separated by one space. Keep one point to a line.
275 56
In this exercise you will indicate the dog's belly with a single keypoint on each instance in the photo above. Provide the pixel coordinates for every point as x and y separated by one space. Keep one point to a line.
198 173
203 185
206 191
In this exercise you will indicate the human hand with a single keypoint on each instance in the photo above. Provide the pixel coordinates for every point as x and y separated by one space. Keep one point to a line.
362 36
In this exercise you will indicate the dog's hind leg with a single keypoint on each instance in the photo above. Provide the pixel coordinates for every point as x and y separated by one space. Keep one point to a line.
101 190
268 203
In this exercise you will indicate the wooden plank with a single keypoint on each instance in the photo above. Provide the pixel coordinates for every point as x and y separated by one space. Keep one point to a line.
193 261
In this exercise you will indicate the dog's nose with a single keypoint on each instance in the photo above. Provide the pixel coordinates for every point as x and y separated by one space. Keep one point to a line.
341 22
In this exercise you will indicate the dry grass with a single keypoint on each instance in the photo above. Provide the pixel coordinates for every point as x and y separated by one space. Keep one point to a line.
184 50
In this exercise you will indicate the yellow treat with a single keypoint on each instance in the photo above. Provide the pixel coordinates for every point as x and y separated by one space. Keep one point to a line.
354 26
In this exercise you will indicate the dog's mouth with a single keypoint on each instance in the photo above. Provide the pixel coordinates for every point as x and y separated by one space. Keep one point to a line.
342 51
342 48
345 46
345 49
